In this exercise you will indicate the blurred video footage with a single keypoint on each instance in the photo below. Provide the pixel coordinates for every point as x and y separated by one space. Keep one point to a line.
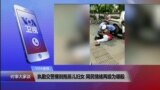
143 34
71 34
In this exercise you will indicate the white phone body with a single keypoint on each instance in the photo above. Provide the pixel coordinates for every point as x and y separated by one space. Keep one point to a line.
35 48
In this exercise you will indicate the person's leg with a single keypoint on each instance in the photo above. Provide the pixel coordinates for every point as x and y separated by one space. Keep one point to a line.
98 37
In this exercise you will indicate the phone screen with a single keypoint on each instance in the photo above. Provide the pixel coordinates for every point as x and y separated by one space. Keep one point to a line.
31 33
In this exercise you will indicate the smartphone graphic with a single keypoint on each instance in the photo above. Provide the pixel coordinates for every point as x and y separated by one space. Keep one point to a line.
31 35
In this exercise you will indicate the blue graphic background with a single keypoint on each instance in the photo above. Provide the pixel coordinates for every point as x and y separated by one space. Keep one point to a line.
13 55
12 52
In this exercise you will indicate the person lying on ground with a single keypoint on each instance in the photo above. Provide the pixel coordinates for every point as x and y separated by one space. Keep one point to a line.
106 37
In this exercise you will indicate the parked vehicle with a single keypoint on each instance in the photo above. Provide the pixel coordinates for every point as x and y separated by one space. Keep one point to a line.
119 23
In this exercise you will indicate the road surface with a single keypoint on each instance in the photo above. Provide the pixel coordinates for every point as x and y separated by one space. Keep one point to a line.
111 52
